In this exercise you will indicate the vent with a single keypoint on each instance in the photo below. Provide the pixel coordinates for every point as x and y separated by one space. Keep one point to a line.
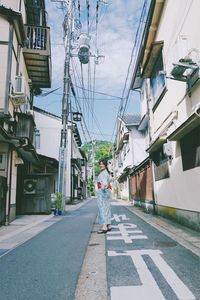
30 186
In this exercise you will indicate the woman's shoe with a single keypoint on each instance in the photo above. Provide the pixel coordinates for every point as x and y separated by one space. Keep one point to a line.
102 231
109 228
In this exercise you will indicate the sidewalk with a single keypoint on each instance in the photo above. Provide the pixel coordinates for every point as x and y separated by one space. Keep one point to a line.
24 227
185 236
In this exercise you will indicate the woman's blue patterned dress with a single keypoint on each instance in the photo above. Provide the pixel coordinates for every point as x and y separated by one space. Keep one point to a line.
103 198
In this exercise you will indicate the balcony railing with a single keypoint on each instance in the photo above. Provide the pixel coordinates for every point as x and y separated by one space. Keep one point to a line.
37 37
37 54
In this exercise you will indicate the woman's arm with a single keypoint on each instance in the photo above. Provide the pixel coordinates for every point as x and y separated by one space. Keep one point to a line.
104 180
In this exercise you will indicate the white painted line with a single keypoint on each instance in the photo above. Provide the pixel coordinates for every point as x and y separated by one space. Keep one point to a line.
127 239
126 231
173 280
118 217
149 286
135 293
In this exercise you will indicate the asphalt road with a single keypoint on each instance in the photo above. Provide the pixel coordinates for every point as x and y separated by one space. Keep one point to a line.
144 264
47 266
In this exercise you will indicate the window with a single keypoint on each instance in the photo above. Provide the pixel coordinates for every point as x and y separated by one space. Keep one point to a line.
190 149
157 80
161 168
37 139
2 161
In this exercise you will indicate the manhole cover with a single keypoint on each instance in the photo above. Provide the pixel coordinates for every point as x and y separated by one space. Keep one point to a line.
165 244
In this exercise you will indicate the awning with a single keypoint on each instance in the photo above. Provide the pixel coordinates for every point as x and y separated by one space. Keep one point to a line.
16 18
149 33
157 144
124 174
6 138
192 122
142 165
77 163
123 140
137 79
26 152
151 59
144 122
49 162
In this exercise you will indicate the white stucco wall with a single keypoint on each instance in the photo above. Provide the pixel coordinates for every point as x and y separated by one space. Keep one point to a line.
50 128
181 18
138 146
4 34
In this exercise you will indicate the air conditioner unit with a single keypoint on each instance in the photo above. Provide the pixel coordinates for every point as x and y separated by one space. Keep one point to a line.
167 149
17 91
19 86
30 186
18 100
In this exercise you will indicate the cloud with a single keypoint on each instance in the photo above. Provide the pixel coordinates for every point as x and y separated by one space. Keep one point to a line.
118 22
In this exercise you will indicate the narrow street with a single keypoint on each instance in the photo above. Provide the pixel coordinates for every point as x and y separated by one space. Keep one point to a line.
47 266
141 261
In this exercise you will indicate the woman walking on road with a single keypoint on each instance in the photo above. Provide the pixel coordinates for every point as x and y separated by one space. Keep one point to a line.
103 197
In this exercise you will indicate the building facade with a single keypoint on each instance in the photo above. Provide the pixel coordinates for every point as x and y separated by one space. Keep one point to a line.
25 68
47 143
168 68
128 153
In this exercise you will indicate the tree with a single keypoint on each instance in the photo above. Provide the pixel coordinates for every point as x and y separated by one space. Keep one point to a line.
103 151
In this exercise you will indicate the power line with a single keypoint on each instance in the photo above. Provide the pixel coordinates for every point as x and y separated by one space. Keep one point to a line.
92 113
121 109
101 93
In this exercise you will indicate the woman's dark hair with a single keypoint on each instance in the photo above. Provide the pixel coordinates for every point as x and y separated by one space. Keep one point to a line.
105 162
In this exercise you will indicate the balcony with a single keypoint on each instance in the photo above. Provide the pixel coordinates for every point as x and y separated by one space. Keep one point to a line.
37 55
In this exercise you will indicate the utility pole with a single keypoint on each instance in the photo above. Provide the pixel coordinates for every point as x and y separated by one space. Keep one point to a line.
67 26
84 56
93 161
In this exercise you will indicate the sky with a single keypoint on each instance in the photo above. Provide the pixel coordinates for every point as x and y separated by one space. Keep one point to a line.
118 21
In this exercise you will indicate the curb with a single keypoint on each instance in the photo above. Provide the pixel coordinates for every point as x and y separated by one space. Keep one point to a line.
163 226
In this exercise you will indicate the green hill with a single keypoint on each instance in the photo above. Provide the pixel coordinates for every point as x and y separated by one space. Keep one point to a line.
102 150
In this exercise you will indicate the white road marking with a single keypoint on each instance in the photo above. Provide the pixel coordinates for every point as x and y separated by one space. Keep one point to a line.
124 233
118 217
149 289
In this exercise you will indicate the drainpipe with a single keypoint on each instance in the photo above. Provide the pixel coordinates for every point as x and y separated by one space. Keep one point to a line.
9 66
150 139
9 181
129 188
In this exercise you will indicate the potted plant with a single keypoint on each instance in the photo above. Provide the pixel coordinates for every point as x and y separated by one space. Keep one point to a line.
58 204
